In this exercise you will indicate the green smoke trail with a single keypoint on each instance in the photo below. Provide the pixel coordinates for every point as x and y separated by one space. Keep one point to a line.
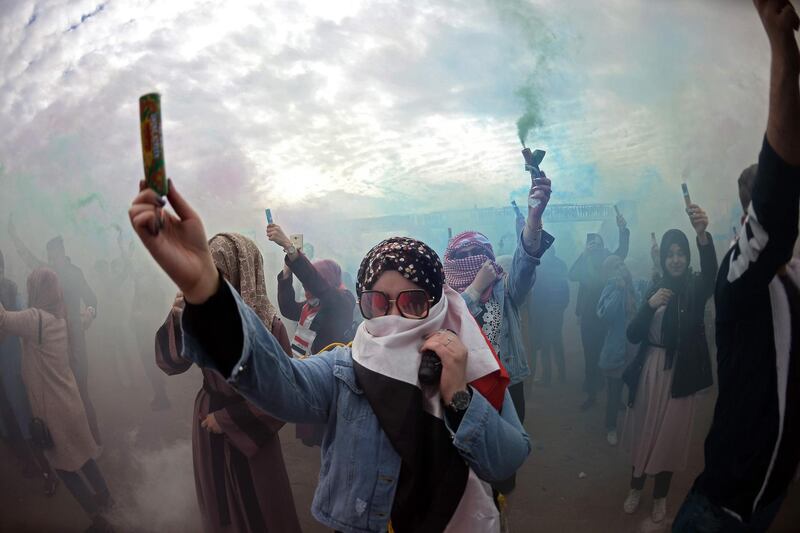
537 45
532 118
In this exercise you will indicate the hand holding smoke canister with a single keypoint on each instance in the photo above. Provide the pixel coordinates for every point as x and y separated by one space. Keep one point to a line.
430 368
153 143
532 162
686 198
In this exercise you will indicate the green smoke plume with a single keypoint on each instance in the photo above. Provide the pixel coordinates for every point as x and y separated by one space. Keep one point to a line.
532 117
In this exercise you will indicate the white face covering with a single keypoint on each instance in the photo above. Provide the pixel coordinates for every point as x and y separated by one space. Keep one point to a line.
389 345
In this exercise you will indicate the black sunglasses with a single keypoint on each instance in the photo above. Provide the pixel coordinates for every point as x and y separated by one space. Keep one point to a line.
468 252
414 303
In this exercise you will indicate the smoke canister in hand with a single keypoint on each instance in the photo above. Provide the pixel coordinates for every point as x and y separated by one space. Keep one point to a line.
152 142
686 198
430 368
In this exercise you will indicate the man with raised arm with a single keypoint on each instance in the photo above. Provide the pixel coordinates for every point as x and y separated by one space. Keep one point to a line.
753 447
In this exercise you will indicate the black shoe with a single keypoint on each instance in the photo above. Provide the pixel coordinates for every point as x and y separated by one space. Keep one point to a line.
50 484
588 404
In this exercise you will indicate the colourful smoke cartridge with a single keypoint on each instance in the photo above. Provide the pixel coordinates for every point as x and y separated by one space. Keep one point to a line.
153 143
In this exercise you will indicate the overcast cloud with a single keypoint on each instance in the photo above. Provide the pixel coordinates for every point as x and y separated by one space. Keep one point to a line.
361 108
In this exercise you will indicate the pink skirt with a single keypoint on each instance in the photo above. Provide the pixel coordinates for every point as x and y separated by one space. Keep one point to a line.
658 427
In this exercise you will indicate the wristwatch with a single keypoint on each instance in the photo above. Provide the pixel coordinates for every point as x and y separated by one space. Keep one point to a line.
290 250
460 400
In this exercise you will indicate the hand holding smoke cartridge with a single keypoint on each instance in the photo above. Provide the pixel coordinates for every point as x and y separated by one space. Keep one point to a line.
532 162
686 198
430 368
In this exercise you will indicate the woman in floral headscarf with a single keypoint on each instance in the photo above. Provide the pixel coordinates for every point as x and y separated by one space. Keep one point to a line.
396 453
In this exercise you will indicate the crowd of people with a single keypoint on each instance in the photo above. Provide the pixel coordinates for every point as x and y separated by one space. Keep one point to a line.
417 400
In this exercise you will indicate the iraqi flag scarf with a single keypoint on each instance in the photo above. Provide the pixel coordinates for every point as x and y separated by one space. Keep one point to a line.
436 491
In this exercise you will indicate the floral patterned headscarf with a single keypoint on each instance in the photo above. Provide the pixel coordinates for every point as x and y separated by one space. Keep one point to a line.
414 259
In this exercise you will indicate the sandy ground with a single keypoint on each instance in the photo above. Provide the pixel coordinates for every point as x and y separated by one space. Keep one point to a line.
147 462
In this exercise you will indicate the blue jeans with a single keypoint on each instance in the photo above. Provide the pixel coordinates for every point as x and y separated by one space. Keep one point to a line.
699 515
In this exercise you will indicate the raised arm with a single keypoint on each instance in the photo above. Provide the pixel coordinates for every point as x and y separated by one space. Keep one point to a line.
769 231
289 307
225 335
308 275
783 125
708 268
624 238
523 268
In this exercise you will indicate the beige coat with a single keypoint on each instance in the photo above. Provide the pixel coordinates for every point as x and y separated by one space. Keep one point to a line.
52 390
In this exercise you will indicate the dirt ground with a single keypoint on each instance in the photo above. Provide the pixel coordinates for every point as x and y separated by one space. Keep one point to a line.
147 462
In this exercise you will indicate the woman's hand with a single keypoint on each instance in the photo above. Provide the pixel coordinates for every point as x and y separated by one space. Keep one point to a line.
699 220
210 424
177 243
453 354
660 298
276 234
540 192
485 277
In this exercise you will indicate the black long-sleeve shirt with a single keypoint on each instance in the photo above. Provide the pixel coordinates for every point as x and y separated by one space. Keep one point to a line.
753 447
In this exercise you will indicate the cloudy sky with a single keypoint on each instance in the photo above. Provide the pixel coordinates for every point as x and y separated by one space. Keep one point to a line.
358 108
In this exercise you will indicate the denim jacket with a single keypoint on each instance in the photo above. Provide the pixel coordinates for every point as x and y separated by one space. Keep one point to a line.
510 292
360 468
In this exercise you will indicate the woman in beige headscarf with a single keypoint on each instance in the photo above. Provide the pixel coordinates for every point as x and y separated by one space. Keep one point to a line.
240 476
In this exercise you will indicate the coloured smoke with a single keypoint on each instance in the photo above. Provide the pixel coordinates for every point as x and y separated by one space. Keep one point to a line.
161 495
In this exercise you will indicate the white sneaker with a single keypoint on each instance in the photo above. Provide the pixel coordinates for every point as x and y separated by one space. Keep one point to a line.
659 509
632 501
612 437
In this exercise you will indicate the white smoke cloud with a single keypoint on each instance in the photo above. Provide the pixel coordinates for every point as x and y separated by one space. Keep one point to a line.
160 494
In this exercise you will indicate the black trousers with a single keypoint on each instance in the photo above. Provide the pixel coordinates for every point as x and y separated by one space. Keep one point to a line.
613 400
548 345
663 480
593 335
